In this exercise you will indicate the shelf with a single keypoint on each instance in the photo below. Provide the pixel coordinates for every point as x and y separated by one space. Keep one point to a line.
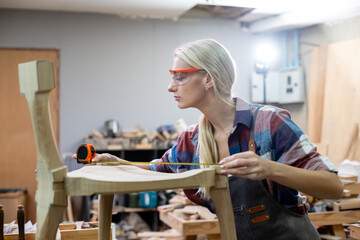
129 210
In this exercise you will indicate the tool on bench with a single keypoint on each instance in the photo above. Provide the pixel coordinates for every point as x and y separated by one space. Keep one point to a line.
86 152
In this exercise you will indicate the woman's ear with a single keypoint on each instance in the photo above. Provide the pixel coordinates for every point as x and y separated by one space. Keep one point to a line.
208 82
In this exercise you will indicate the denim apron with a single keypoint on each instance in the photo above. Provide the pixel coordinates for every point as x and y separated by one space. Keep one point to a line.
258 216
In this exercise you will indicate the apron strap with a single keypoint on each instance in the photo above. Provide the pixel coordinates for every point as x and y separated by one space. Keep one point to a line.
252 145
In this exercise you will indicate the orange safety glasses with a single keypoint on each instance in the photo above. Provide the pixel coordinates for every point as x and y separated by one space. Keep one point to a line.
180 76
185 70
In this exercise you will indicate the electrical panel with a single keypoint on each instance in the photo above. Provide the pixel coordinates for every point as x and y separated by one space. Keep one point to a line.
292 89
271 83
257 88
285 86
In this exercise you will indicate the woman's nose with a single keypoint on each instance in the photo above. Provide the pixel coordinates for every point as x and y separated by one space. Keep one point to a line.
172 86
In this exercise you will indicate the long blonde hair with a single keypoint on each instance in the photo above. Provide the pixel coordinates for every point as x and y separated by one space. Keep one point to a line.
215 59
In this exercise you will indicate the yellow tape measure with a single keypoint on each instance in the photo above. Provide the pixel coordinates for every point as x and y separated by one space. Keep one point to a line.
161 163
86 152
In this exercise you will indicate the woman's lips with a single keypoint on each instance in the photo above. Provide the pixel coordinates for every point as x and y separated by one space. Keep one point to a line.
176 98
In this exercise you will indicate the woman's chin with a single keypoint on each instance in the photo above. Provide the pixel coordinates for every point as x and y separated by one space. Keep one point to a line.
182 106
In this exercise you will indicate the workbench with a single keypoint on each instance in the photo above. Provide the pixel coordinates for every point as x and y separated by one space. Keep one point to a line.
346 213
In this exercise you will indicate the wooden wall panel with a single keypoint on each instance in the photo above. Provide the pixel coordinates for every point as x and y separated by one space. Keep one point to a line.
342 97
18 150
317 81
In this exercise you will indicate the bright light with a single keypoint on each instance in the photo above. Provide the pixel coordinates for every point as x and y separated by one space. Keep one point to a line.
266 53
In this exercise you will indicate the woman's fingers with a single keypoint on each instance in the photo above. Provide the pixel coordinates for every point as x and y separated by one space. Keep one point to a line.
104 157
247 164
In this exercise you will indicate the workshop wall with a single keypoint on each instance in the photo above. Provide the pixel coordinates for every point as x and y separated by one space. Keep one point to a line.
114 68
318 35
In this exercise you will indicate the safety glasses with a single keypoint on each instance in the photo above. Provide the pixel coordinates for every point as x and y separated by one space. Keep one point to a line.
181 76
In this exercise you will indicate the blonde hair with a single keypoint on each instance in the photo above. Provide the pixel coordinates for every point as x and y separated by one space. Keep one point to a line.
215 59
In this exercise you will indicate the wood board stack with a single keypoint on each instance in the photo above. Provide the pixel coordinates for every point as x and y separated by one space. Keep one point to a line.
332 110
87 230
188 222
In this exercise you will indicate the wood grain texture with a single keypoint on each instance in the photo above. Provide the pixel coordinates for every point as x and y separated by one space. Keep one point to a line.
127 179
342 98
55 184
355 231
190 227
80 234
220 196
334 218
353 188
18 154
36 81
105 213
317 82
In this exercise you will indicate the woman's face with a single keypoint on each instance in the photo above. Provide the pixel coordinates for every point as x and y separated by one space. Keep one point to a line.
188 87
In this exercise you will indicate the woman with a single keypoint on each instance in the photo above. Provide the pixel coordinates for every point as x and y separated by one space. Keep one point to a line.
269 160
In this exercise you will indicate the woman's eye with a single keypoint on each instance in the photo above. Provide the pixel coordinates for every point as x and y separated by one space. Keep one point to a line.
179 79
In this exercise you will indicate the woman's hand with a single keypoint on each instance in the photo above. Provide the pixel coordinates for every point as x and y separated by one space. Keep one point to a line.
104 157
247 165
324 184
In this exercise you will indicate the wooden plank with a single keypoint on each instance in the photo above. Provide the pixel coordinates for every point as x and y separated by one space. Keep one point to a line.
355 231
127 179
191 227
171 233
346 204
88 234
342 91
352 143
18 164
203 212
353 188
28 236
334 218
317 81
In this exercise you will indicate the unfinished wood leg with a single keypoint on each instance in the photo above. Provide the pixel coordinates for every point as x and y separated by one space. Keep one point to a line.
105 213
339 231
220 196
49 217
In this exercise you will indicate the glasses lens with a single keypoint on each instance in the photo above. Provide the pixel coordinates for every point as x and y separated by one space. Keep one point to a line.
183 77
180 78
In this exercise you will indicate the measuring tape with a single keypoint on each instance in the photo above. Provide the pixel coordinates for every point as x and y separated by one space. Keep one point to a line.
86 152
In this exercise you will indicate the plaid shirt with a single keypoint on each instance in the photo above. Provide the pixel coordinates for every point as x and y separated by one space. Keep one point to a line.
277 138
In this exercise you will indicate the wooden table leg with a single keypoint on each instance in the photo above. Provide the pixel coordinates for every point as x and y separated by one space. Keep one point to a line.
105 213
220 196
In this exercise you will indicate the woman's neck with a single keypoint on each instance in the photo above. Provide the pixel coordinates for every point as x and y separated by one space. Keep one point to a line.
220 114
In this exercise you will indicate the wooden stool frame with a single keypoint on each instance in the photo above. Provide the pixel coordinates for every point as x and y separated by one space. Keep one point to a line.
55 184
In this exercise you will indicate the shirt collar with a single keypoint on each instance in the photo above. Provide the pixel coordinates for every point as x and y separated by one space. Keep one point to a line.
243 113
